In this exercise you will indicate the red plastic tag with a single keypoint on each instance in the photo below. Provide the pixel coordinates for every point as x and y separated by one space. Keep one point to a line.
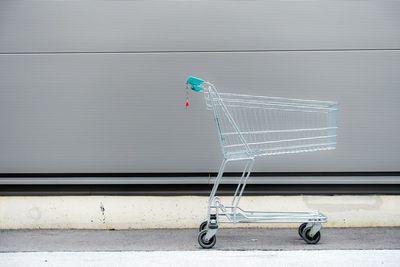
187 97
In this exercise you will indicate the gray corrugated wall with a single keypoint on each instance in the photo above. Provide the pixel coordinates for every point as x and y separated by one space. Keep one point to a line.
98 86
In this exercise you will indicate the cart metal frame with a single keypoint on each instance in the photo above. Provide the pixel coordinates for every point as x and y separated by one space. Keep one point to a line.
248 128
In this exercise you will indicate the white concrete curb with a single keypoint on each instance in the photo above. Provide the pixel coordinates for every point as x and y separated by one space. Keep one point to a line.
139 212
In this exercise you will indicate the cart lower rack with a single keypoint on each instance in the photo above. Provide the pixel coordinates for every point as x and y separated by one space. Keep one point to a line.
253 126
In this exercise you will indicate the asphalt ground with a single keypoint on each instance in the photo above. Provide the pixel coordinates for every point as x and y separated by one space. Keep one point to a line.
236 239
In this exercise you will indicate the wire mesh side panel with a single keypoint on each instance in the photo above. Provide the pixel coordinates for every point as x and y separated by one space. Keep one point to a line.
256 125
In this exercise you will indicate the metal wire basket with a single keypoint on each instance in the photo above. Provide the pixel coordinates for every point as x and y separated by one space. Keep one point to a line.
251 126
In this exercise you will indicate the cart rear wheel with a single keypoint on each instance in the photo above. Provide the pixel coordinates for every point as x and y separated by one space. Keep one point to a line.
203 242
301 228
202 226
310 240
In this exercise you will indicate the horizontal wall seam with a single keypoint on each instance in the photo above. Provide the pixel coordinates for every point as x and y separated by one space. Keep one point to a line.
203 51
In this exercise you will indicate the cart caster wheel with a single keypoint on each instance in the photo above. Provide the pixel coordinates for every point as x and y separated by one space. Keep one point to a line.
203 243
301 228
310 240
203 226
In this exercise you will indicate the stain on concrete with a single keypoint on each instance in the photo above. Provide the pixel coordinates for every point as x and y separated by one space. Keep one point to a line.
34 214
103 212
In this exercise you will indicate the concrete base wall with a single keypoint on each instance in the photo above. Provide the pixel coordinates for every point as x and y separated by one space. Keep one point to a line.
138 212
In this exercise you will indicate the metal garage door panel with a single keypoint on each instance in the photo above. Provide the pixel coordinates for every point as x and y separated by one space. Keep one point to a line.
125 112
104 26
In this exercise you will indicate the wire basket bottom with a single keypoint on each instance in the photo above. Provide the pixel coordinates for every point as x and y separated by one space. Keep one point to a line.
271 152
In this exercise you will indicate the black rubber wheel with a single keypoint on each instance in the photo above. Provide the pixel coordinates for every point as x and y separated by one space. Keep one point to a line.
202 226
301 228
203 243
310 240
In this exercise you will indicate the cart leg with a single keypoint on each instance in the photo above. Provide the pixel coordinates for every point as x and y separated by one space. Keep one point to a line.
242 185
215 188
240 182
212 217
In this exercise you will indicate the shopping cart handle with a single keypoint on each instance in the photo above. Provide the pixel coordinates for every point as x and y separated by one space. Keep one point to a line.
195 83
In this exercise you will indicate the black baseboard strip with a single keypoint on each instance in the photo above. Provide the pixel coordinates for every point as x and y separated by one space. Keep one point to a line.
197 189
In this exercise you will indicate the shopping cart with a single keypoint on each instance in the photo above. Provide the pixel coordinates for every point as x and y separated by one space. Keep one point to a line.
253 126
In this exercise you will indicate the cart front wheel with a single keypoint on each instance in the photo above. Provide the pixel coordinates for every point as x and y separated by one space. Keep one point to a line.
206 243
202 226
310 240
301 229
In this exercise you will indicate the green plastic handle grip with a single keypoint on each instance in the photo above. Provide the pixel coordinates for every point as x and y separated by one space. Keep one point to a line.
195 83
